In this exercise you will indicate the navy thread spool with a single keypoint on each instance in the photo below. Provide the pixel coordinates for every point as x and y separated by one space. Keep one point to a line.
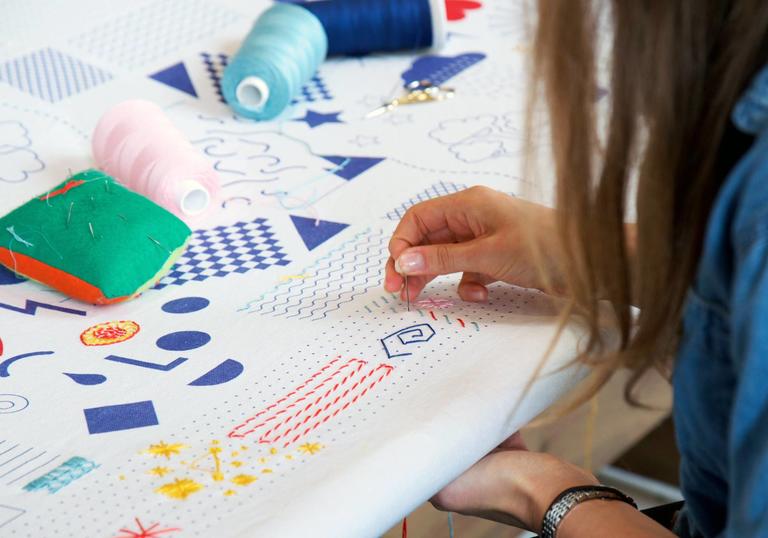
359 27
288 43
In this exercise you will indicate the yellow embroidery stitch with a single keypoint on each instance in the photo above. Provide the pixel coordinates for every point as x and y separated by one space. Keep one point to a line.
310 448
164 449
180 488
159 471
243 479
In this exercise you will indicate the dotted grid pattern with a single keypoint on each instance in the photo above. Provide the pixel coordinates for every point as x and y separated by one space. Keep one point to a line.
51 75
134 495
314 90
337 278
239 248
154 30
438 189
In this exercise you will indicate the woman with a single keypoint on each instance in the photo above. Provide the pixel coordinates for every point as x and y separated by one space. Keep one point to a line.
685 148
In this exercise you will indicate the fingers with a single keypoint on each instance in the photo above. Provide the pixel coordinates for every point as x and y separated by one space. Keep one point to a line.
514 442
443 259
395 282
441 220
472 287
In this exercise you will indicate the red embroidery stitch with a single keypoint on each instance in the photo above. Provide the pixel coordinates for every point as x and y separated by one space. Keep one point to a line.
67 187
149 532
302 411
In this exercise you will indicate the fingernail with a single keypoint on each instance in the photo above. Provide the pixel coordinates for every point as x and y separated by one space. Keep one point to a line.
476 295
410 262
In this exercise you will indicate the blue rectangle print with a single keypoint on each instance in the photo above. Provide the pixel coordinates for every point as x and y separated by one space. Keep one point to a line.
112 418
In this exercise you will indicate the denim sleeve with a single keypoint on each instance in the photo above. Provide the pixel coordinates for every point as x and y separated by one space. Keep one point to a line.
748 435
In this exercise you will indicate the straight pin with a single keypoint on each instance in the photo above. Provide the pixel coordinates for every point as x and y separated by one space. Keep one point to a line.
69 213
90 227
155 241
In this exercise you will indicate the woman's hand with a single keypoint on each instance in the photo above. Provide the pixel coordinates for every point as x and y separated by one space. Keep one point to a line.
511 485
482 233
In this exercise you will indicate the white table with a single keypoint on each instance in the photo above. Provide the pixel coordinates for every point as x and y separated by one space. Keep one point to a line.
329 410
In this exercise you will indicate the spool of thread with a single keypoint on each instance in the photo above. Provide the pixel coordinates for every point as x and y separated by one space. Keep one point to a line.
288 43
137 144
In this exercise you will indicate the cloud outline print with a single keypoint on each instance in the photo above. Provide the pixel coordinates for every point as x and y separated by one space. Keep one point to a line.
9 139
18 163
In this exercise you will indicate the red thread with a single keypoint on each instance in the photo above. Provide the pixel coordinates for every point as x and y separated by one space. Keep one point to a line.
150 532
433 315
405 528
281 400
287 421
266 439
67 187
461 322
301 411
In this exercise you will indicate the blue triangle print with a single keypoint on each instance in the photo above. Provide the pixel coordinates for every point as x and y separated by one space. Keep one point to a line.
351 167
177 77
316 232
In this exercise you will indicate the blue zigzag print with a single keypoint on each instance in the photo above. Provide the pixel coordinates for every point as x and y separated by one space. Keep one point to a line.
337 278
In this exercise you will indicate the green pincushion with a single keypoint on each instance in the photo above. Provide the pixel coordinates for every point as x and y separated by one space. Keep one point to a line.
92 239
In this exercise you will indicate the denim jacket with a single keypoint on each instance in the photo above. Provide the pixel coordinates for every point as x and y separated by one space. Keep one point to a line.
721 373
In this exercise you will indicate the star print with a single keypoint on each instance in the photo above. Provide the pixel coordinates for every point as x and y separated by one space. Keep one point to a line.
315 119
363 141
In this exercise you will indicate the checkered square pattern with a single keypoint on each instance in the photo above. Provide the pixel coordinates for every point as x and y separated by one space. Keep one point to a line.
315 89
221 251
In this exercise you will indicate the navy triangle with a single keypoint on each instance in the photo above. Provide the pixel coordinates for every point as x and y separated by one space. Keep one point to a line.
351 167
177 77
316 232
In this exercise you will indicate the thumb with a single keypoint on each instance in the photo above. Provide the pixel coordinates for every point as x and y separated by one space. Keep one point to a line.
442 259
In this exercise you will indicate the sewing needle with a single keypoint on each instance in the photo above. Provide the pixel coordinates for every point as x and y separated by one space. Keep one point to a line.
407 294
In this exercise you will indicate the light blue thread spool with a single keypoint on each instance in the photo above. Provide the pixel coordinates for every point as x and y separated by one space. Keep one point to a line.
281 53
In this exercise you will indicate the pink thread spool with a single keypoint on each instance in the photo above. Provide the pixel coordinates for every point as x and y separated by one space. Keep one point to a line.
137 144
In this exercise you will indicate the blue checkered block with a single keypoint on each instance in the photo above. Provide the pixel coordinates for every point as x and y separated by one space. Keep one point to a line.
314 90
239 248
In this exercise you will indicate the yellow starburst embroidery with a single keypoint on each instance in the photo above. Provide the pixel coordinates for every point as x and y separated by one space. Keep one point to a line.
243 447
288 457
121 477
159 471
266 471
273 451
179 488
165 449
236 463
310 448
263 460
229 492
243 479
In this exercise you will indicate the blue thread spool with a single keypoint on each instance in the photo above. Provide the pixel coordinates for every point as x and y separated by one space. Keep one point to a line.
288 43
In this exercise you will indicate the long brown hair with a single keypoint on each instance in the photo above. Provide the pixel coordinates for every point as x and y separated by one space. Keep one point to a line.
676 70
